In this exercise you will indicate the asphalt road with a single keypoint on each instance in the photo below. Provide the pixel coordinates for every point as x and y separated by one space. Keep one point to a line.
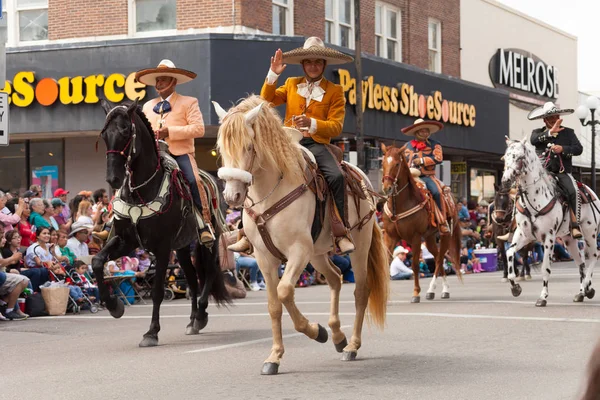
480 344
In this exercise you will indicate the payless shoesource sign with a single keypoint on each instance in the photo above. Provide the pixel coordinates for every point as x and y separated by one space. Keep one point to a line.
25 89
405 100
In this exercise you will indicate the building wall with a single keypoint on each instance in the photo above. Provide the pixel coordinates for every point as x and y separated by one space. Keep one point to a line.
487 25
80 156
86 18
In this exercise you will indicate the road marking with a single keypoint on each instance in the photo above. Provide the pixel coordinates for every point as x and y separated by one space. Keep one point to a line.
249 342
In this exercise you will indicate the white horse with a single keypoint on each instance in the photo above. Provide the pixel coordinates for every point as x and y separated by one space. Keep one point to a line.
541 218
263 165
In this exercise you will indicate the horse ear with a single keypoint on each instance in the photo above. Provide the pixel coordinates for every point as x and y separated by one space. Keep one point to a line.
221 113
106 106
252 114
384 148
131 109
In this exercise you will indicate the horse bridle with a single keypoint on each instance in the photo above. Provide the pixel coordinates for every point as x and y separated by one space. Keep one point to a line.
509 211
394 180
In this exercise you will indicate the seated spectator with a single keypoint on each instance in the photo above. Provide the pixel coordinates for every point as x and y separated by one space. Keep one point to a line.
8 220
48 215
11 252
560 253
62 252
11 287
101 200
25 229
84 213
74 206
78 238
61 194
102 224
58 206
79 280
424 271
244 260
37 259
345 266
399 270
144 260
35 218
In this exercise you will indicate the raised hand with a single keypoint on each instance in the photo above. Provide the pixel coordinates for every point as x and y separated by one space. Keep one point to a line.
277 64
556 127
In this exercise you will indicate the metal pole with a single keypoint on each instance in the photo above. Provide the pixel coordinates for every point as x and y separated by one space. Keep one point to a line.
360 142
593 122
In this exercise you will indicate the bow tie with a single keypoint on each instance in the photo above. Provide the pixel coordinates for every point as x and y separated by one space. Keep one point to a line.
163 106
418 145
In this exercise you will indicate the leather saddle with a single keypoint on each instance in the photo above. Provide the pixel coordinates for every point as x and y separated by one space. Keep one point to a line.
448 206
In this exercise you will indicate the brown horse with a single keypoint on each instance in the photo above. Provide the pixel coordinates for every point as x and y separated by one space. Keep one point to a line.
406 217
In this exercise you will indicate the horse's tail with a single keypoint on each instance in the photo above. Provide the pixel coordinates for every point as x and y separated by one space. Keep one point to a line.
208 267
455 245
378 278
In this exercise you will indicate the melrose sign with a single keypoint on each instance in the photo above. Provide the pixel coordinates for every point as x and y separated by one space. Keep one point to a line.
23 90
404 100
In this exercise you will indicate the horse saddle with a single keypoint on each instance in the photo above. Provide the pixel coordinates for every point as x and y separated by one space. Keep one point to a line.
447 200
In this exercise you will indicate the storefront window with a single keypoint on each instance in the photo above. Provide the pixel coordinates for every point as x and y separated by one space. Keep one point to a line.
13 168
47 165
482 184
155 15
339 22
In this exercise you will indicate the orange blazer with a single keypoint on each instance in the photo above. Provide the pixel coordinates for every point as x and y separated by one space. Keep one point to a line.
185 122
329 112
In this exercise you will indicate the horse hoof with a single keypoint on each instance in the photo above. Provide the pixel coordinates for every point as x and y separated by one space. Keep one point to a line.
590 293
541 303
527 277
430 296
516 290
118 311
200 324
149 341
323 335
445 295
504 280
341 345
415 299
190 330
578 298
349 356
270 368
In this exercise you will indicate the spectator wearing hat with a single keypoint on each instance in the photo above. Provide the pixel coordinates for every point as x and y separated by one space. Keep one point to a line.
61 193
8 220
59 206
399 270
78 237
36 191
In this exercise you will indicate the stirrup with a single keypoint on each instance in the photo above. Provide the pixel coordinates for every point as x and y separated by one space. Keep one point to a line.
504 237
207 238
442 231
345 245
576 233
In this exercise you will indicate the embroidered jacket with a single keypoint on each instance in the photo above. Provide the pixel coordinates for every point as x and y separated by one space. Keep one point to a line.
431 154
329 112
566 138
184 122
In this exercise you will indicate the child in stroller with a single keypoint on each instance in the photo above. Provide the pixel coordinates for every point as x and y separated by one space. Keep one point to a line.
176 283
79 281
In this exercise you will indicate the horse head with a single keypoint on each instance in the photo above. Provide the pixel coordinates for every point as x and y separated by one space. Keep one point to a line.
519 159
394 167
503 205
120 139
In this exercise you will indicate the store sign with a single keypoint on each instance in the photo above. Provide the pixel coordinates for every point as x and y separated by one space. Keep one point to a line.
405 100
523 73
3 119
458 168
24 90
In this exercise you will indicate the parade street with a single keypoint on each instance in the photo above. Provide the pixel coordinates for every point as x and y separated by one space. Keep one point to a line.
482 343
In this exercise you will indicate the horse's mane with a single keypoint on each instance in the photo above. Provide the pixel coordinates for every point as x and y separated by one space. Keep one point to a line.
532 157
273 146
140 113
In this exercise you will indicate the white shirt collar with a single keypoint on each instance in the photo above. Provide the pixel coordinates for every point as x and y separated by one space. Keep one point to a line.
316 94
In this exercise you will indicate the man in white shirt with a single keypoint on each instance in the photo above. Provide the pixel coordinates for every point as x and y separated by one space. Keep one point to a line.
398 269
78 237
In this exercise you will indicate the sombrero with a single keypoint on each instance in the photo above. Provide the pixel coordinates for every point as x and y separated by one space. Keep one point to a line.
547 110
433 127
165 68
79 226
314 48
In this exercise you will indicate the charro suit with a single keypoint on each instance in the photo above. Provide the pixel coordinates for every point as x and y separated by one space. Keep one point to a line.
185 123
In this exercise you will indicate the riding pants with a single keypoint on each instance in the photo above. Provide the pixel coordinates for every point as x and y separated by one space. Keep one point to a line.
187 165
433 189
331 171
565 182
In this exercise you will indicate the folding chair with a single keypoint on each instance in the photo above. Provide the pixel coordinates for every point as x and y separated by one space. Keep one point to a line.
244 276
116 281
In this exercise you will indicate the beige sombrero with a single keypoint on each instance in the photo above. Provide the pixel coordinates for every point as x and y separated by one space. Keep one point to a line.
433 127
165 68
315 48
547 110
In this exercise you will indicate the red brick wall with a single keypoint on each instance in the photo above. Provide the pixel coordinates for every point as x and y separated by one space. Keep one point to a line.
83 18
309 18
257 14
206 13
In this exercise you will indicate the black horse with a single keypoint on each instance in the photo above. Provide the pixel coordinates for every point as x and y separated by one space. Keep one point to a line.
160 218
502 216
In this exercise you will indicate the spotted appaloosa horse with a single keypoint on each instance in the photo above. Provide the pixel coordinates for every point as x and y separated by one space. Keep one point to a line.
542 218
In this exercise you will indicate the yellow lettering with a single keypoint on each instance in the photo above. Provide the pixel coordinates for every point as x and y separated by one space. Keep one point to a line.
92 82
370 92
437 99
414 102
404 103
465 114
430 107
394 107
132 86
377 96
472 118
386 98
459 109
8 90
24 94
352 93
114 81
452 111
70 90
344 79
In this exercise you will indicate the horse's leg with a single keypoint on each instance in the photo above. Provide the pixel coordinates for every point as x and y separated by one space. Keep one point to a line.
185 260
433 249
324 265
548 247
439 266
416 248
158 293
518 242
115 247
525 268
389 241
579 258
500 245
269 268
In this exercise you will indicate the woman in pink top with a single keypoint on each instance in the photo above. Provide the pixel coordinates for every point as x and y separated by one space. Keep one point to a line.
6 220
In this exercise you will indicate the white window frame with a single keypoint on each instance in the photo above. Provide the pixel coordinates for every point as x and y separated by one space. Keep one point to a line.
289 20
336 24
385 7
438 66
12 24
131 24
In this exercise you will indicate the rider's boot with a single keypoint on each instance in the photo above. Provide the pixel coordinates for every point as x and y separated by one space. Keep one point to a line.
575 232
206 236
242 245
443 227
506 236
342 236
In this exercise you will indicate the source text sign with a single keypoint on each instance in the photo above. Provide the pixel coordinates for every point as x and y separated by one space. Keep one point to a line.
3 119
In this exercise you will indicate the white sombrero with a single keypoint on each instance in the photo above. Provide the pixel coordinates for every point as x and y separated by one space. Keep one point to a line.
433 127
165 68
315 48
79 226
547 110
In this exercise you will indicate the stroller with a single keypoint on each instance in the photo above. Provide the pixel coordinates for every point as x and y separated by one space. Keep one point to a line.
176 284
73 305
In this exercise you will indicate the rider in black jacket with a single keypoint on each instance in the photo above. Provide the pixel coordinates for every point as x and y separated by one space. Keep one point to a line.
560 144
